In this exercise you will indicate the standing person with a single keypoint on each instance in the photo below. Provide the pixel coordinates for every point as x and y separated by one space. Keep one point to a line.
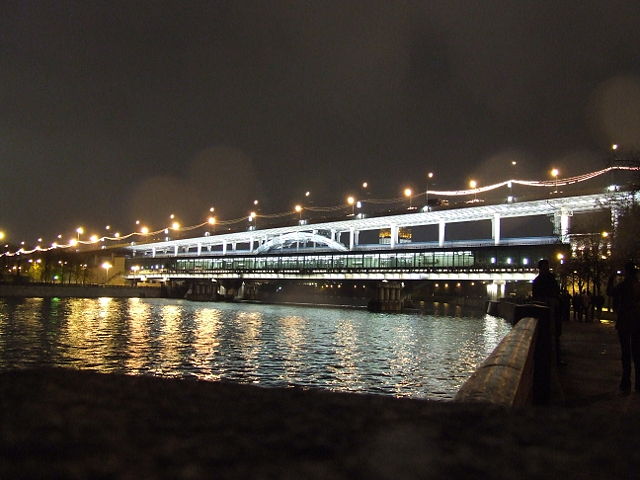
626 300
545 289
577 306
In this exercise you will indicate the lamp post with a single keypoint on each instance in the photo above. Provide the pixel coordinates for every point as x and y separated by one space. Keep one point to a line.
79 231
409 194
107 266
352 201
426 193
474 185
298 209
554 173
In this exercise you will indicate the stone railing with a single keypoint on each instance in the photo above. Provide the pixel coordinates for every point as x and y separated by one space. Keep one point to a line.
518 371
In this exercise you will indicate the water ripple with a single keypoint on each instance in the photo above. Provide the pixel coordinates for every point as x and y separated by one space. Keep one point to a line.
345 350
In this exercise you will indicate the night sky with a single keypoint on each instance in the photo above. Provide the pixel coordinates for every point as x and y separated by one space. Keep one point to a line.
113 111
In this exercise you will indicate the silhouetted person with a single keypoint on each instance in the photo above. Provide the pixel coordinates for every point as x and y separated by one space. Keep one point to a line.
545 289
577 306
626 301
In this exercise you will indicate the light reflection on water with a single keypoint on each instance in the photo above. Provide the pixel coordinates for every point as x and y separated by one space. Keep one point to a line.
347 350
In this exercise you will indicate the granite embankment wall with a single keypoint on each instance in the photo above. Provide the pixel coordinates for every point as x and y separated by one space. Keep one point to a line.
81 291
520 369
506 377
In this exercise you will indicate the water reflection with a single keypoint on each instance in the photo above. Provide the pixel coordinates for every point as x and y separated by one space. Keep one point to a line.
347 350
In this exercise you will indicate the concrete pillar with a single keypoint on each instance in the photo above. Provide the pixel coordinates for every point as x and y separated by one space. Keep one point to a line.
357 238
394 236
224 247
233 247
561 224
175 251
495 229
333 235
441 233
153 252
351 238
199 249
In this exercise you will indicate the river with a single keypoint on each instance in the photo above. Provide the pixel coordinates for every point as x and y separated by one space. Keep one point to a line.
411 355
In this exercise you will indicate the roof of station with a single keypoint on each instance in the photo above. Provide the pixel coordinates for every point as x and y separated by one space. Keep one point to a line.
475 212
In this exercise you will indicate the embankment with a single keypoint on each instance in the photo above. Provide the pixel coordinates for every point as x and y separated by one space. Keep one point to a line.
80 291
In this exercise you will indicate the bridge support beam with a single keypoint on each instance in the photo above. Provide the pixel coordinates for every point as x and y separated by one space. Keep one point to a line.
441 232
199 249
224 247
153 252
393 239
351 238
561 224
495 229
388 298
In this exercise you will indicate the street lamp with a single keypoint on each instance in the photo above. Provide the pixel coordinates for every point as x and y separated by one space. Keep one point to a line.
298 209
352 201
554 173
79 231
107 266
409 194
474 185
426 193
2 235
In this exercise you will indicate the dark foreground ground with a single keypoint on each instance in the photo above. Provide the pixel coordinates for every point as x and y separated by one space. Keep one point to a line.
69 424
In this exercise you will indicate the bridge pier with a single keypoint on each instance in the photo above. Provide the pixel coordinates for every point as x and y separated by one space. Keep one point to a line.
388 298
202 290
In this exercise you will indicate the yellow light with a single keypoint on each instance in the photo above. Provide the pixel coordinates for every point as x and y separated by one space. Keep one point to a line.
351 200
407 192
117 235
212 209
107 265
473 184
298 208
212 220
560 256
93 238
108 227
1 235
430 175
175 225
80 230
144 230
73 242
605 234
555 172
614 146
365 184
252 214
172 216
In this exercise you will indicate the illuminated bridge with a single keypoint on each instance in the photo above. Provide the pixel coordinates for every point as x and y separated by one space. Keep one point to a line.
347 249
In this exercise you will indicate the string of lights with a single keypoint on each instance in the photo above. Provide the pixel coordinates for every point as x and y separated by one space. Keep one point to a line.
556 182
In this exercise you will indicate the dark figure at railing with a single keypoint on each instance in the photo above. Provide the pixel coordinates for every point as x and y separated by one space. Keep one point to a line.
626 302
545 289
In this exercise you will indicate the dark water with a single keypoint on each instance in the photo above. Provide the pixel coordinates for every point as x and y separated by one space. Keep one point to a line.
425 356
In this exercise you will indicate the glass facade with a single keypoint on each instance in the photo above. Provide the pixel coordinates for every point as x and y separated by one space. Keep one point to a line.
522 257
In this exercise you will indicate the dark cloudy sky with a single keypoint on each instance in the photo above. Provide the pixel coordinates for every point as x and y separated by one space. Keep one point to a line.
112 111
